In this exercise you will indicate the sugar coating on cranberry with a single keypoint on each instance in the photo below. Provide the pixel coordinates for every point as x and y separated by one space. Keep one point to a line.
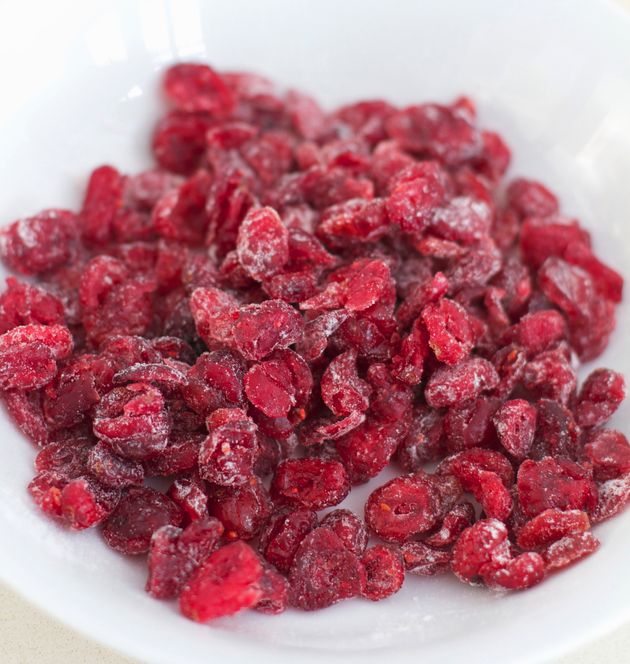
290 302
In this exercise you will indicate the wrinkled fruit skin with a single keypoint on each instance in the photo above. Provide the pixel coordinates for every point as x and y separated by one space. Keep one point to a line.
289 303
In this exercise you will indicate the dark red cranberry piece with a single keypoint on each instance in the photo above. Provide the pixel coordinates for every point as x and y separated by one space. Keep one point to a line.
324 572
140 512
384 572
348 528
423 560
283 534
609 453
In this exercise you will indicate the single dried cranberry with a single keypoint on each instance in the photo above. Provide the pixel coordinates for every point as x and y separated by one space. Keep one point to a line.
612 497
263 243
451 335
557 433
283 534
404 507
348 528
39 243
555 483
449 386
515 423
424 440
550 526
140 512
243 510
537 331
23 304
531 199
228 454
470 425
599 398
342 389
133 421
26 412
551 375
324 572
226 582
310 483
609 453
268 387
189 494
570 549
483 543
85 503
519 573
263 328
422 560
384 572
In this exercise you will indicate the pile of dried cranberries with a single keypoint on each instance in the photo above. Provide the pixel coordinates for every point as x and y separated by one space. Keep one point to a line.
289 302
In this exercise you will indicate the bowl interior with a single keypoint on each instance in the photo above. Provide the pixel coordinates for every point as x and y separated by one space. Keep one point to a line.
551 77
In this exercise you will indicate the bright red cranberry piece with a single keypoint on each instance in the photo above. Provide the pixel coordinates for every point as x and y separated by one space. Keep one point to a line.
451 334
190 495
483 543
519 573
227 582
609 453
515 423
531 199
310 483
268 386
570 549
599 398
550 526
555 483
39 243
384 572
228 454
263 243
449 386
342 389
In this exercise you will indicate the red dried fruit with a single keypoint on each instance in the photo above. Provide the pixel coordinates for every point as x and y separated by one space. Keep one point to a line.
133 421
268 387
365 291
228 454
189 494
422 560
348 528
262 245
263 328
570 549
551 375
39 243
283 534
449 386
612 497
112 470
324 572
275 592
175 553
515 423
226 582
384 572
404 507
485 542
140 512
460 517
531 199
424 440
519 573
599 398
342 389
609 453
555 483
310 483
470 425
550 526
243 510
451 335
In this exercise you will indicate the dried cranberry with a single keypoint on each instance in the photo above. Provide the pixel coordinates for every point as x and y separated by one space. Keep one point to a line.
310 483
348 528
384 572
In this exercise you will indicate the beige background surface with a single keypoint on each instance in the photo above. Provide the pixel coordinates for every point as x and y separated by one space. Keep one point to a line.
27 636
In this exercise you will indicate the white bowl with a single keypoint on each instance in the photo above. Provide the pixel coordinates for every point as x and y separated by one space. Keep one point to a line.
79 88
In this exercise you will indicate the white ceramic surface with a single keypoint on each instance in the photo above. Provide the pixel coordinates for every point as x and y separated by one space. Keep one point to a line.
78 88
